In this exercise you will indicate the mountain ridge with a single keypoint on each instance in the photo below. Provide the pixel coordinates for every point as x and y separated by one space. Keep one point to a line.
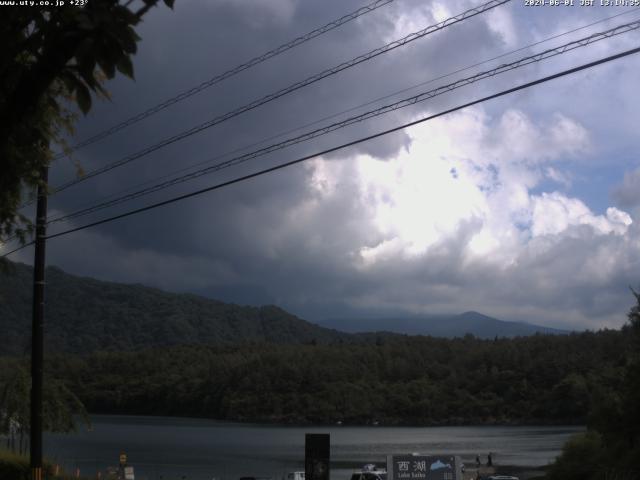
469 322
84 315
131 317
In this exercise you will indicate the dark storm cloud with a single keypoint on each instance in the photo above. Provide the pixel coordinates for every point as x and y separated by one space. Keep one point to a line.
216 36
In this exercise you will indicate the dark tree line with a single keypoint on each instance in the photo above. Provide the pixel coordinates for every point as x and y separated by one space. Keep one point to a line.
396 380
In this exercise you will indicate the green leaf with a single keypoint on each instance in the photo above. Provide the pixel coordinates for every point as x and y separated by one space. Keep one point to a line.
128 43
125 66
84 50
105 93
107 67
86 68
123 14
84 22
110 52
83 97
69 81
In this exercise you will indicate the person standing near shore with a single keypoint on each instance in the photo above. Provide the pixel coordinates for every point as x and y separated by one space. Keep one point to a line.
489 460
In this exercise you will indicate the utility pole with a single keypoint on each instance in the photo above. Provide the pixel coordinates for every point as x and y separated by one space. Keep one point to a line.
37 332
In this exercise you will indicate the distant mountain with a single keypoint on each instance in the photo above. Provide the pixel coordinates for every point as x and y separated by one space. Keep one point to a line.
84 315
449 326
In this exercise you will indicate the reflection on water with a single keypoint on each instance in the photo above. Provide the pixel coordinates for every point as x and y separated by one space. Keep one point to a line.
170 448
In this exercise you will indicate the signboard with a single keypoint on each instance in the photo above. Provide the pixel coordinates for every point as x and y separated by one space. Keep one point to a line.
422 467
317 456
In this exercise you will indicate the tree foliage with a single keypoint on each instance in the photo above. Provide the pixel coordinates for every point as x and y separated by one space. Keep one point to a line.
14 466
60 405
53 56
611 446
581 457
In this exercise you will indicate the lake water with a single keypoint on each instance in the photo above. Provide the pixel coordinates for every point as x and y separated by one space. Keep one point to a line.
170 448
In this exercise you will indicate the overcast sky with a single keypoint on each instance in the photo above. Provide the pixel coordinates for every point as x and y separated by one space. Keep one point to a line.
525 208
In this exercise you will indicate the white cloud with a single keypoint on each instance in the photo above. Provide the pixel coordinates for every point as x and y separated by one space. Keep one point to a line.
501 22
460 201
440 11
464 168
517 139
563 178
553 213
422 16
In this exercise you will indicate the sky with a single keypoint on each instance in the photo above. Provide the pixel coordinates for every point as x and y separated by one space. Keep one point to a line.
525 207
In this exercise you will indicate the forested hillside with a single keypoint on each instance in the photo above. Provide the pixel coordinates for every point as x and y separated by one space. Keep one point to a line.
85 315
136 350
412 380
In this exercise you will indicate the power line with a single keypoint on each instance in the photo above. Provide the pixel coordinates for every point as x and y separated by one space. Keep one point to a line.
351 109
315 122
230 73
618 30
296 86
17 249
349 144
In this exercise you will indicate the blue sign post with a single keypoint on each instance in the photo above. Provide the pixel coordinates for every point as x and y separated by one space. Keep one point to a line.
423 467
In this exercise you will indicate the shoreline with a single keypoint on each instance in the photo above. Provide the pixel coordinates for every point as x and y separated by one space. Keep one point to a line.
520 471
337 424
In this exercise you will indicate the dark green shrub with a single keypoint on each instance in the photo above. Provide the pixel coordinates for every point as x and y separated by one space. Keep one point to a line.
580 458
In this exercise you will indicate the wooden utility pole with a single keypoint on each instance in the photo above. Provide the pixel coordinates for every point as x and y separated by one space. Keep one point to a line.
37 332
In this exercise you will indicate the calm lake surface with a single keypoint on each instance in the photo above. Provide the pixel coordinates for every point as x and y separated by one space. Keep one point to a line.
170 448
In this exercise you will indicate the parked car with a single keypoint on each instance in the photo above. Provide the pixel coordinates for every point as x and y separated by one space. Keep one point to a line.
370 472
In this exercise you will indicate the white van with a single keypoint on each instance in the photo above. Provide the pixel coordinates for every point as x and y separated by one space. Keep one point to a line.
295 476
370 472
